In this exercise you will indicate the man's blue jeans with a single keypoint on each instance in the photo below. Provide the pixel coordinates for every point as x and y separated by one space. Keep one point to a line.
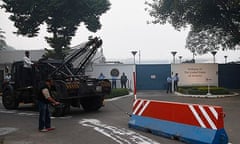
44 116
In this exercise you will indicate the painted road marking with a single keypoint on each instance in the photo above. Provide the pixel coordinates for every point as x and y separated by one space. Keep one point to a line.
119 135
30 114
8 111
7 130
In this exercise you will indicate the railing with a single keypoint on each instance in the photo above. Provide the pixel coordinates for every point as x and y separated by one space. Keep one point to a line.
119 85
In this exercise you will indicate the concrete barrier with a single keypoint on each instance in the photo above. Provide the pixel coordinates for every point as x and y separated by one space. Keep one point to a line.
191 123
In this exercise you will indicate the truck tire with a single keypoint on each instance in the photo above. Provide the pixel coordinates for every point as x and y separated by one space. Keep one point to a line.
57 111
106 86
92 103
9 100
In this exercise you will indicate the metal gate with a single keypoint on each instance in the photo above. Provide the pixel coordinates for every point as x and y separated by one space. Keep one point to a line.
152 77
228 76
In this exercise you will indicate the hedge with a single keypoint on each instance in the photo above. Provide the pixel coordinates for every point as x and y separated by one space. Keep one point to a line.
117 92
201 90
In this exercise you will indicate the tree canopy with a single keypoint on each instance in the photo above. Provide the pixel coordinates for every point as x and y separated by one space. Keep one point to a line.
62 17
214 24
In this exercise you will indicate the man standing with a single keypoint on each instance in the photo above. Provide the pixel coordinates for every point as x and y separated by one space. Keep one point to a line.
114 82
101 76
44 98
123 80
176 79
27 65
169 84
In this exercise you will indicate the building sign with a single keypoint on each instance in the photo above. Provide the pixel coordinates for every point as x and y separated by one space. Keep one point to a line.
196 74
153 76
114 72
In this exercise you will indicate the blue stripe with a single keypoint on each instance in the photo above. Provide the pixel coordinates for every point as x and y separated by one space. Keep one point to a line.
183 132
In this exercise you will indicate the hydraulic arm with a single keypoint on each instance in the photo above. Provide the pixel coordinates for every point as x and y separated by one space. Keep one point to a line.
83 56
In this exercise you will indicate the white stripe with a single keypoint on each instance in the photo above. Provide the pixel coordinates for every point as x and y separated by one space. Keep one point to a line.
197 116
135 101
144 107
214 112
213 126
138 106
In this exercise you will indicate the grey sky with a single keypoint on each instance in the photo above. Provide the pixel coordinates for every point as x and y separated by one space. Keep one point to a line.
124 28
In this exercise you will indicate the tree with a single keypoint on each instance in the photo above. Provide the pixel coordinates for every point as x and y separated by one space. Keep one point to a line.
61 16
214 24
2 39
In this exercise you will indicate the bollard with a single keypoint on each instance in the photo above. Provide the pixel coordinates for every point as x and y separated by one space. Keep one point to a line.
190 123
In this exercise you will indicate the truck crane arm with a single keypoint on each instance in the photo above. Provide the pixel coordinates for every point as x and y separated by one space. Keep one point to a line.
87 52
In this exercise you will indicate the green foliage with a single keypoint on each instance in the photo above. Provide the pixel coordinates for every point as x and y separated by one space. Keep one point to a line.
202 90
61 16
51 53
117 92
214 24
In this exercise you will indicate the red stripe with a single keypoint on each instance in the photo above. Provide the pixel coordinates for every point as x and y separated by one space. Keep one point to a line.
171 112
201 115
136 103
140 106
220 120
210 114
134 83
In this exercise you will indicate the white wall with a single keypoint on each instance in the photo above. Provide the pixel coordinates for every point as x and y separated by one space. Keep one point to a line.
95 69
196 74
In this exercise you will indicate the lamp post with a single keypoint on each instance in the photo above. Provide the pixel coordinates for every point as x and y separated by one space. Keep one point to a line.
194 54
225 59
134 54
180 59
208 94
214 53
174 53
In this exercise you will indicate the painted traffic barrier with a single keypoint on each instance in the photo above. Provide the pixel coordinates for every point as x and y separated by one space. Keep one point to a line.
191 123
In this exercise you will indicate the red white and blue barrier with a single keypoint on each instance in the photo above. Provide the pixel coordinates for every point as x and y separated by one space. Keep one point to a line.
191 123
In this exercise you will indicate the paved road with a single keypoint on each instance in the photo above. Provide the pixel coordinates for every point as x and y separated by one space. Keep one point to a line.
109 125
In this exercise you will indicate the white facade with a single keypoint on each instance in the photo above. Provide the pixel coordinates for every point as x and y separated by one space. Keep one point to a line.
95 70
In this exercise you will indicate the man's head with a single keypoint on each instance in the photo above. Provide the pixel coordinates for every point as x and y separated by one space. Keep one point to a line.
49 82
27 53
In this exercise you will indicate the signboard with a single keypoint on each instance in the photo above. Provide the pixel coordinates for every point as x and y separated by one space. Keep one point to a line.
196 74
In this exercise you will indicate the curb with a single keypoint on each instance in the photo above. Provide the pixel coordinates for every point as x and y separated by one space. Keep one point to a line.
117 98
207 96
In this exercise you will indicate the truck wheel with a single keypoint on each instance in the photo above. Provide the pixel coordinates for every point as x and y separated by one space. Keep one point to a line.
9 100
92 103
56 111
106 86
66 109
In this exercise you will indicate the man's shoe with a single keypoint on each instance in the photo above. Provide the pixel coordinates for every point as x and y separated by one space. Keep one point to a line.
44 130
51 128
